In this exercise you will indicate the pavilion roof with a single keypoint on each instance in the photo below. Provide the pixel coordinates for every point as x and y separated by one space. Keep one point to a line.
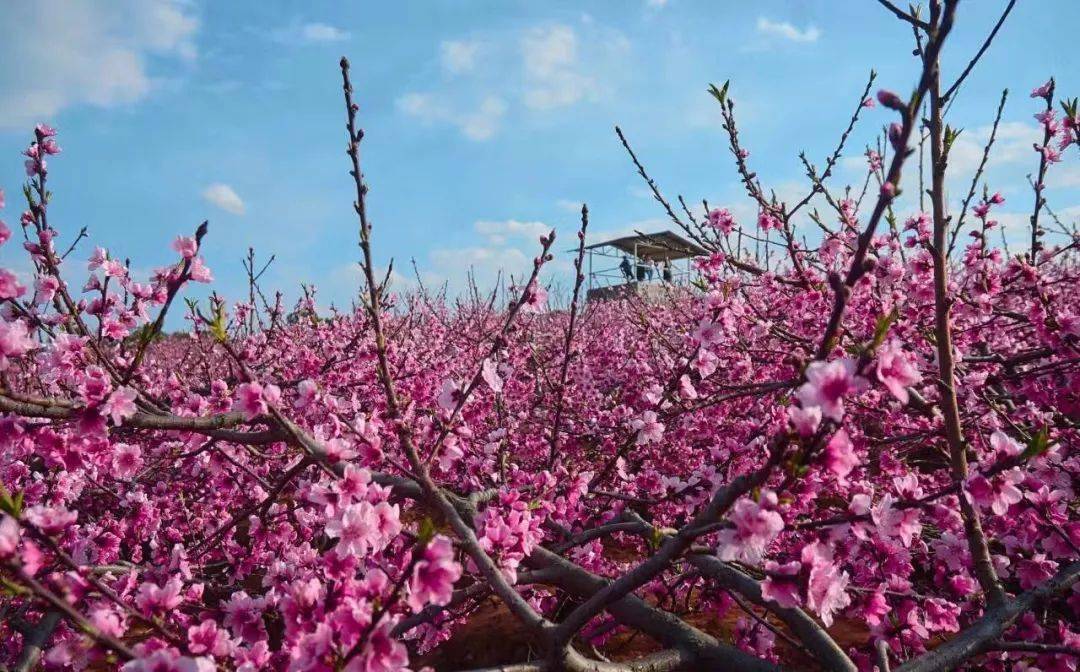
654 246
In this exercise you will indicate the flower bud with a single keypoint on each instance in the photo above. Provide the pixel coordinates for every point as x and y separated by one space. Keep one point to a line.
890 100
896 133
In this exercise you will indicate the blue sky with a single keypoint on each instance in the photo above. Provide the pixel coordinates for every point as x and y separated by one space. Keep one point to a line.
487 122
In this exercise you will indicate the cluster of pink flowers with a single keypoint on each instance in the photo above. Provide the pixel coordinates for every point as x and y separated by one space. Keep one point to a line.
269 503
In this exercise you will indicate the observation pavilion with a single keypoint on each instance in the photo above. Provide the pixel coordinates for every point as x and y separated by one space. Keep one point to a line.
645 264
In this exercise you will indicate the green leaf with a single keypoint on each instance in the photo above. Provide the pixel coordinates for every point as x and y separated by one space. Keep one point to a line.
217 327
1039 444
951 134
426 532
1069 106
656 538
881 329
721 93
7 503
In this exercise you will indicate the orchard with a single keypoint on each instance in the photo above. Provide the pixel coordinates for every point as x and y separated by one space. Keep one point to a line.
854 453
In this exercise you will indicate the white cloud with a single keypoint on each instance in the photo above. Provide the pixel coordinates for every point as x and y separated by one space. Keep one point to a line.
552 76
1013 144
488 265
484 122
658 4
497 233
1063 176
787 31
304 33
458 56
478 124
321 32
544 67
419 105
62 53
224 197
1011 159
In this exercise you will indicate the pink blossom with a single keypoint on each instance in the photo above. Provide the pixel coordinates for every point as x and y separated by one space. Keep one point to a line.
962 584
997 494
434 575
15 341
826 587
647 428
9 285
781 584
840 457
873 160
1044 90
893 521
705 363
164 660
535 299
450 395
9 536
722 219
307 391
363 527
243 615
207 638
107 620
1048 119
767 220
127 459
186 247
114 268
805 420
895 371
199 272
338 450
875 608
708 332
32 558
45 289
941 616
686 388
252 399
755 527
826 385
382 654
50 519
449 453
120 405
1035 571
1049 154
490 373
98 258
155 599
